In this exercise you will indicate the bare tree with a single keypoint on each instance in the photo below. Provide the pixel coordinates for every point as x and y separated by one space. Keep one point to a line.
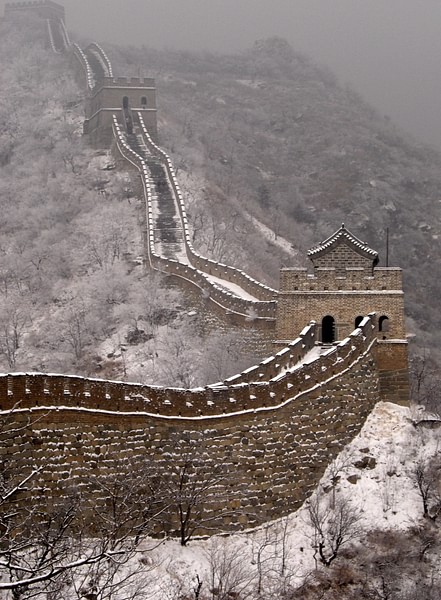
68 545
189 484
427 479
76 328
334 524
425 382
230 575
14 318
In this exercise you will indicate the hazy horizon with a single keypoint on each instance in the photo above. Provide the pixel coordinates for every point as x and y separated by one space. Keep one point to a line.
386 51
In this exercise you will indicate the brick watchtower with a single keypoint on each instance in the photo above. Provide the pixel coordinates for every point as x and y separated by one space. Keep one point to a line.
109 97
45 9
345 285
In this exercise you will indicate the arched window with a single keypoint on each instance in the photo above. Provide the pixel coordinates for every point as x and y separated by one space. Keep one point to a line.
328 330
383 325
143 102
126 102
357 321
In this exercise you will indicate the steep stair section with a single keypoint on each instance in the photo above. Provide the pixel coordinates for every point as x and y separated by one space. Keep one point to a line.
235 281
168 230
95 64
58 36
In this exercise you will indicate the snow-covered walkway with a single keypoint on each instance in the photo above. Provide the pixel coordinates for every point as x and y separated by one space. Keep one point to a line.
232 287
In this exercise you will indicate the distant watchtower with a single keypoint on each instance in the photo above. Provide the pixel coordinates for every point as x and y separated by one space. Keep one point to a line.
345 285
111 95
45 9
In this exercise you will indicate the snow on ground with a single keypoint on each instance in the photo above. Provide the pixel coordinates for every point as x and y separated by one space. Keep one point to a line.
270 235
252 83
374 471
103 161
232 287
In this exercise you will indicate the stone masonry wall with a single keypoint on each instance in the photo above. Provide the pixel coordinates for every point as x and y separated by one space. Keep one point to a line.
296 308
392 363
273 439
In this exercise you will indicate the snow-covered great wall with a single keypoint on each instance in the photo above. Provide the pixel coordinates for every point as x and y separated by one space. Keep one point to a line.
273 438
273 428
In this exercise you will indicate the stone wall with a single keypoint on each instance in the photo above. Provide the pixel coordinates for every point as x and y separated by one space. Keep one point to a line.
392 363
340 257
273 438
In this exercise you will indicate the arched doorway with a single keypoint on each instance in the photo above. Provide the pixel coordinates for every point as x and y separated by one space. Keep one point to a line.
357 321
328 330
125 102
143 102
383 325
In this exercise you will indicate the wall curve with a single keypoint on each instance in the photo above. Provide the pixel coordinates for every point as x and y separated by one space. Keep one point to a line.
273 438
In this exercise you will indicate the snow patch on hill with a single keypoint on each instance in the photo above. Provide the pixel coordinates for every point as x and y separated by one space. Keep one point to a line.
375 471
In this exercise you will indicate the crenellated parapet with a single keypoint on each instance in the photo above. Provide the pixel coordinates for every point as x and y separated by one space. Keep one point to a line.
102 57
85 68
128 82
352 279
270 384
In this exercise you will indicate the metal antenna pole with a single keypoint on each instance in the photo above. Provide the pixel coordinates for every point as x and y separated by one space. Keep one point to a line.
387 246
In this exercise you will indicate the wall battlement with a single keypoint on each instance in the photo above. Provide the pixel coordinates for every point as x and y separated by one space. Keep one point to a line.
256 388
127 82
352 278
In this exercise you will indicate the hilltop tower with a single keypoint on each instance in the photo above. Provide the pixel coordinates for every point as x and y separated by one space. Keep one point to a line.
46 9
116 95
345 285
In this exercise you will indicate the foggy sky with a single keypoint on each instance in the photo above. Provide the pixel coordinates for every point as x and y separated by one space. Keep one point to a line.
388 50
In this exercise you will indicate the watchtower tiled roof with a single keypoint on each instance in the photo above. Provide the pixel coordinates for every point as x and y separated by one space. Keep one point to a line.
342 235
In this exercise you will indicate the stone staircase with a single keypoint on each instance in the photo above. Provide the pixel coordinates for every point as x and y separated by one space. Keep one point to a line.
57 37
168 230
95 65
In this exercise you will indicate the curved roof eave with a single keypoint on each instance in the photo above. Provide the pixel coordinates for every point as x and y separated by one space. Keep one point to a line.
343 235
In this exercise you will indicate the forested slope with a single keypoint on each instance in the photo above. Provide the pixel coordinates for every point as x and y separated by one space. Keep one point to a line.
263 139
74 297
268 134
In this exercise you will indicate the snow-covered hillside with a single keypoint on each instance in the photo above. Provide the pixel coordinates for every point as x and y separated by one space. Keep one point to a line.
375 475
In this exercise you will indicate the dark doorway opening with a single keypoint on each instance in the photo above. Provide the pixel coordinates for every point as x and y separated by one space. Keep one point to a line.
328 330
383 325
357 322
